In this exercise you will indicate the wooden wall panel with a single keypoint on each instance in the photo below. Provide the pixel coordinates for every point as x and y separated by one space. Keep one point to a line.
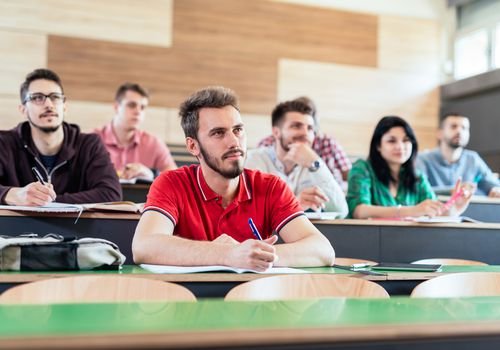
409 45
356 97
20 53
233 43
279 30
145 22
92 70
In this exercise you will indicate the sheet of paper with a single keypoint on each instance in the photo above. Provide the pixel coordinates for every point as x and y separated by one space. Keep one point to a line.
213 268
325 215
53 207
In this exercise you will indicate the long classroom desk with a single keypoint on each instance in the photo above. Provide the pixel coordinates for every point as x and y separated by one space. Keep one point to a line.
396 323
217 284
387 241
481 208
403 241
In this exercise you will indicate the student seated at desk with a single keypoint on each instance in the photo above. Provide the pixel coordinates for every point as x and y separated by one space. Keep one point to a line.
293 159
199 215
451 160
387 184
134 152
74 167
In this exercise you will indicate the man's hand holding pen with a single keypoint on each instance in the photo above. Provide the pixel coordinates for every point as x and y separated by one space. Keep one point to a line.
33 194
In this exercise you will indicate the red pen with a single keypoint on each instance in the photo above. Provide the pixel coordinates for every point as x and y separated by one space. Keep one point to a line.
453 199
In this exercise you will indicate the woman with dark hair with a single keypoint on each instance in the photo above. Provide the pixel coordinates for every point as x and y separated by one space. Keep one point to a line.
387 183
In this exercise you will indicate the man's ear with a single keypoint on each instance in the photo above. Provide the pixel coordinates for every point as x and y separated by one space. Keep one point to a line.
276 132
193 146
22 110
439 134
116 106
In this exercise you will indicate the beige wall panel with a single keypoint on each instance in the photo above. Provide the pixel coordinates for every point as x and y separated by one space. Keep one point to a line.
175 134
147 22
257 127
91 115
20 54
275 29
92 70
351 99
9 113
410 45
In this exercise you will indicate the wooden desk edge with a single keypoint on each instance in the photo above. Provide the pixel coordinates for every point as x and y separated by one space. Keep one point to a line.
246 337
24 277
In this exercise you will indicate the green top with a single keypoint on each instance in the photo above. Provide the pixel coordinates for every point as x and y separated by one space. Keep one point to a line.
365 188
25 321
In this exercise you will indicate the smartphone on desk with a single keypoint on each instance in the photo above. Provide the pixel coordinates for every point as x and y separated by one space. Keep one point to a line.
407 267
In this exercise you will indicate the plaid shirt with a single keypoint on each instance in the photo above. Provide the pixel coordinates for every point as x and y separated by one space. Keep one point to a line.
328 149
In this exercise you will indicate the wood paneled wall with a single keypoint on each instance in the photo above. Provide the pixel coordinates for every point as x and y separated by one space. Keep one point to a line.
357 67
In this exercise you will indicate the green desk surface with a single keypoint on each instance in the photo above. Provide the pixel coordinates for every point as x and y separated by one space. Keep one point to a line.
251 321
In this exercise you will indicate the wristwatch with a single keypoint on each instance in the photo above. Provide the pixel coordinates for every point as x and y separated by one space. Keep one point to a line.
314 166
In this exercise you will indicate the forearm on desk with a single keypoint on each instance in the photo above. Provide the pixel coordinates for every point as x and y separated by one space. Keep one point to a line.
162 249
365 211
314 250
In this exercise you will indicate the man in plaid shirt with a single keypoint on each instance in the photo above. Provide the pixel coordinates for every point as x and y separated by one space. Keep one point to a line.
326 147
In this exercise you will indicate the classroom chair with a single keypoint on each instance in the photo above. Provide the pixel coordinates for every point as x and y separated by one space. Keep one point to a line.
445 261
306 286
92 289
456 285
350 261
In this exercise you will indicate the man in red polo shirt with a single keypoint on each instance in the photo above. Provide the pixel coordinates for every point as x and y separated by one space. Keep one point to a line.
199 215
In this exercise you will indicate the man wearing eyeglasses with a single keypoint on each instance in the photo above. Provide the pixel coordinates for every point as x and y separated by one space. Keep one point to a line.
74 167
134 152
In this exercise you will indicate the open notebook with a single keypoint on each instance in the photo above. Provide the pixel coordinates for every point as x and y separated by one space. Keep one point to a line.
429 220
214 268
53 207
322 215
56 207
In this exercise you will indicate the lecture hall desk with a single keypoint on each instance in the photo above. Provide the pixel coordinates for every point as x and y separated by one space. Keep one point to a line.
396 323
481 208
386 241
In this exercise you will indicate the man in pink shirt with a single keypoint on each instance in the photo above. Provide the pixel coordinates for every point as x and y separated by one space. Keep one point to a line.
134 152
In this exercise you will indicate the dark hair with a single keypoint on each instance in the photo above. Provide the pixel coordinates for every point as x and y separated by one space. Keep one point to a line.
447 115
122 90
209 97
283 108
309 102
379 164
38 74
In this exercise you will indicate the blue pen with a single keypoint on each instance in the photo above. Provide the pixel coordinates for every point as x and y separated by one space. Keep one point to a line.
254 229
477 178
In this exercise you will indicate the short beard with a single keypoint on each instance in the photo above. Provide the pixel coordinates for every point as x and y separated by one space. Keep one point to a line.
453 145
283 145
45 129
212 164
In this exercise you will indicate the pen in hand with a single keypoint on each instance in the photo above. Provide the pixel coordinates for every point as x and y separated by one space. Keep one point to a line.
254 229
38 175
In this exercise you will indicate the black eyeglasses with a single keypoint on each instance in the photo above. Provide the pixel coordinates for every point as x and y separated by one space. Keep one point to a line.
39 99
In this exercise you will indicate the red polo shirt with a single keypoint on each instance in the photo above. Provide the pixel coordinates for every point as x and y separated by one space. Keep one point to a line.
197 213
